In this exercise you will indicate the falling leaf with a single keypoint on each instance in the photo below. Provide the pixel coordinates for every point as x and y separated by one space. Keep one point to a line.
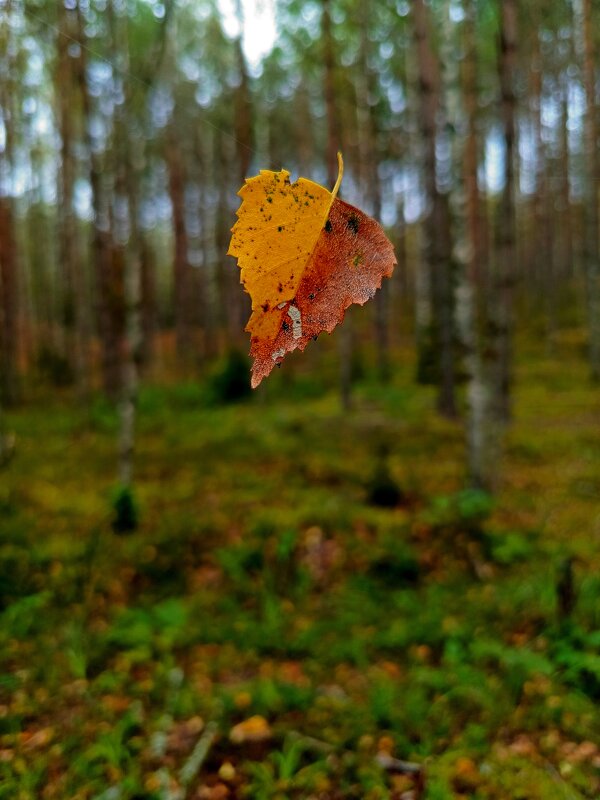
305 256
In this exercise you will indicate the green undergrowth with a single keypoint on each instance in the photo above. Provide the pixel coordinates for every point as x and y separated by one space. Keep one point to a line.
269 574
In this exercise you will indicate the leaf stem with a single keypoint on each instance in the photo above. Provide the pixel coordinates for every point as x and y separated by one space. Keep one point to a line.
339 177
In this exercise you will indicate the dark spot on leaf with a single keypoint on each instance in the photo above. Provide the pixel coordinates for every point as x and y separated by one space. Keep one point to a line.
315 337
278 364
328 226
265 307
280 288
285 326
280 228
352 223
311 296
269 199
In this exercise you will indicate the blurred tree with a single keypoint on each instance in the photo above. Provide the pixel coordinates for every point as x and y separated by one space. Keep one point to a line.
438 239
126 235
334 144
9 258
370 159
72 296
107 259
501 305
591 238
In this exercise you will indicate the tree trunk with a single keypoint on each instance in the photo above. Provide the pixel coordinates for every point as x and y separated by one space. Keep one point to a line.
369 161
181 266
148 312
501 306
592 177
333 126
9 328
128 160
107 262
438 242
227 273
241 304
345 338
482 444
71 276
565 212
9 260
537 256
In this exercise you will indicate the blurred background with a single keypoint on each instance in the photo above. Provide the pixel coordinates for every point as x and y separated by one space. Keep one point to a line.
377 575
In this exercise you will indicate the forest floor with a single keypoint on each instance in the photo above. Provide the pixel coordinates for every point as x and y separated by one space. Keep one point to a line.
270 631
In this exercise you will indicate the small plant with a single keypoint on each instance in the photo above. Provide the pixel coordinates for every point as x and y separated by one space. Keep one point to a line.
125 509
464 511
383 491
396 568
283 775
231 382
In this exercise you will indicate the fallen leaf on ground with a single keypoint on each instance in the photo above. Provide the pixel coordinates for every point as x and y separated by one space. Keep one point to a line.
253 729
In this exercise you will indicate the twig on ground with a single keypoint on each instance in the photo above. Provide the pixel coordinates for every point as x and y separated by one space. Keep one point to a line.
392 764
198 755
385 761
311 743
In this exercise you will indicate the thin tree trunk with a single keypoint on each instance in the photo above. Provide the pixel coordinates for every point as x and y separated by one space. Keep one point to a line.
241 304
9 257
345 338
482 444
148 310
592 177
401 284
438 243
38 269
565 212
71 276
542 240
243 116
106 261
537 246
128 165
9 294
333 127
203 145
304 133
181 266
474 216
501 304
227 273
369 161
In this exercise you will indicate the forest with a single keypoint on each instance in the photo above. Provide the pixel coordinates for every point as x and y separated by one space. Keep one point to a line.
377 575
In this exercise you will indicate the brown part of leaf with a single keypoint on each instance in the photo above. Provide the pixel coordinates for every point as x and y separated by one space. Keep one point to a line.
350 259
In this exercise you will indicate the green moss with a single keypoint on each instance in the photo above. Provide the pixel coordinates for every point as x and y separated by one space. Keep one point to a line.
259 580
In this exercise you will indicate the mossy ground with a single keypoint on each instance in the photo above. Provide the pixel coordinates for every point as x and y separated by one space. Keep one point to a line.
261 582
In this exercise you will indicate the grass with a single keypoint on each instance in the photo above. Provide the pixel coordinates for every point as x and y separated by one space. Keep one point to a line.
261 583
